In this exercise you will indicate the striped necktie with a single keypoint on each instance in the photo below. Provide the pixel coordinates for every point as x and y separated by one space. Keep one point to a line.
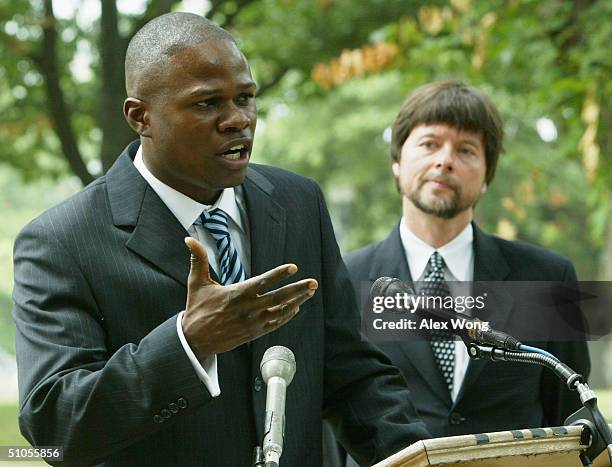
230 267
442 342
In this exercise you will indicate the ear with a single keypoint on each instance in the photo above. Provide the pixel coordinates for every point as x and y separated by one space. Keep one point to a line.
137 115
483 188
396 169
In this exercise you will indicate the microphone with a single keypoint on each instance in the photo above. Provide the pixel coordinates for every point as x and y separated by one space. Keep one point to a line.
389 286
277 369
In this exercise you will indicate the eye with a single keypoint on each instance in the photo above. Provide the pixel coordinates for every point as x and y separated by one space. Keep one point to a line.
427 144
467 151
207 104
245 98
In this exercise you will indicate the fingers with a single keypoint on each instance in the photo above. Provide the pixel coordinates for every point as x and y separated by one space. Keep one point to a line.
259 284
290 307
288 293
276 308
199 273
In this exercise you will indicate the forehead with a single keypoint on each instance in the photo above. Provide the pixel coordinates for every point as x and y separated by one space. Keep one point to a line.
442 130
215 62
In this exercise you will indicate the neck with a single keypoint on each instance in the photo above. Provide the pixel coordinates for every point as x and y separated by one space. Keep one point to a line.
201 194
434 230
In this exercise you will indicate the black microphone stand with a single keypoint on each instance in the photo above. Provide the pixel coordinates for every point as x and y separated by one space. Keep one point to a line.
589 416
258 457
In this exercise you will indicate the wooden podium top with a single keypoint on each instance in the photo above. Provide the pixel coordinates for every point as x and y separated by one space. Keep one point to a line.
541 447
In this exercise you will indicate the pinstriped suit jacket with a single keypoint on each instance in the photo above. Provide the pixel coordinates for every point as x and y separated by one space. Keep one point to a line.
99 281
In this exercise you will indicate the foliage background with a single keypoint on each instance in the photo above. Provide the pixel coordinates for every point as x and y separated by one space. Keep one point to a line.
332 75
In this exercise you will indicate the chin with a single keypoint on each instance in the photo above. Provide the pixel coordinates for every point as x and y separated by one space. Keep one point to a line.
235 180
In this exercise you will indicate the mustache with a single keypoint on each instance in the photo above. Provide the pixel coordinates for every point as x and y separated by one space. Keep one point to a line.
439 178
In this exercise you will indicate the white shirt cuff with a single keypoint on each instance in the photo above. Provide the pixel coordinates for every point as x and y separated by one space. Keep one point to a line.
206 370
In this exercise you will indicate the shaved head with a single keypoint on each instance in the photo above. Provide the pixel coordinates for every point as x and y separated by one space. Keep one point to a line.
157 41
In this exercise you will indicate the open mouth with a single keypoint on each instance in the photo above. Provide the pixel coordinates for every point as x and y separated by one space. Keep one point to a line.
234 153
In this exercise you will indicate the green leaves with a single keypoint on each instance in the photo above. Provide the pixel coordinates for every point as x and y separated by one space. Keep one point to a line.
536 59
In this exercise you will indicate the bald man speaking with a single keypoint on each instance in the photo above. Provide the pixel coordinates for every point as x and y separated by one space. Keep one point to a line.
144 303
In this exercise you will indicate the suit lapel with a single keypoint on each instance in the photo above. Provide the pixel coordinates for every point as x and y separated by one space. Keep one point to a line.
267 221
158 236
391 261
489 265
268 227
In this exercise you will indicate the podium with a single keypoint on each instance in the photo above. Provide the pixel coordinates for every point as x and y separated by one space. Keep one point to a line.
536 447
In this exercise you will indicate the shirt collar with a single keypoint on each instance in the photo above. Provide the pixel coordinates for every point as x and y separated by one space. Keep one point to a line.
457 253
185 209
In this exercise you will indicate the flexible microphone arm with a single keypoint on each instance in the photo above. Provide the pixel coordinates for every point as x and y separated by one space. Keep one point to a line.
498 346
589 416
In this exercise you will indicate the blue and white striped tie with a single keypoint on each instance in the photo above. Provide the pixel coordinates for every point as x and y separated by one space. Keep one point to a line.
231 270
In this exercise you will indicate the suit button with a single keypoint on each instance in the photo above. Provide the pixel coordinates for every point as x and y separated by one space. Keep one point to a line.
173 407
456 418
258 384
181 402
165 413
158 418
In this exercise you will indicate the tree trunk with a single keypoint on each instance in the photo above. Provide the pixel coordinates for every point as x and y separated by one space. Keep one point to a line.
116 133
60 113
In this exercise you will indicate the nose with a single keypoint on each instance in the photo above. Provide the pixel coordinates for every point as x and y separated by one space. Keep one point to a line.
234 118
444 157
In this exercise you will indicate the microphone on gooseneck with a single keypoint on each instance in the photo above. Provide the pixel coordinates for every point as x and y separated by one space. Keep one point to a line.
277 369
390 287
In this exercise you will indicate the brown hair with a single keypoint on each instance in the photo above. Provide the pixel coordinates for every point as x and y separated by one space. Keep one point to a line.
455 104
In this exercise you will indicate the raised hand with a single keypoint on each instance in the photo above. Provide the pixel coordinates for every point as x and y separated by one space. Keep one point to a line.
220 318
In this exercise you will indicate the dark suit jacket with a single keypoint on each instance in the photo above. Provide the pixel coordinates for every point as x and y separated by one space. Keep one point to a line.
494 396
99 281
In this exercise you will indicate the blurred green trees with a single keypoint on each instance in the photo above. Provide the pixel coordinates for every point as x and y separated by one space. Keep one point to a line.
332 75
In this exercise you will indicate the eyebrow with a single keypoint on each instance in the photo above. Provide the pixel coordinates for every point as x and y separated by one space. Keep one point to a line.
474 142
202 91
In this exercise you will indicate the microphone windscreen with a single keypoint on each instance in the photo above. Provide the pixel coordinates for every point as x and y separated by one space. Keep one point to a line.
380 285
278 361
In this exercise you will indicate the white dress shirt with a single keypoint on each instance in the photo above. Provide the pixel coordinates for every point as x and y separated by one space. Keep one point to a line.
458 256
187 211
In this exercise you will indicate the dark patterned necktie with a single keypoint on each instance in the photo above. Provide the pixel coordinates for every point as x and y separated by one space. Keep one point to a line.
442 342
230 267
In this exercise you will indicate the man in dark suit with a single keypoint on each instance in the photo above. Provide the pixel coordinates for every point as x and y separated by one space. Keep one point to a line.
127 355
445 145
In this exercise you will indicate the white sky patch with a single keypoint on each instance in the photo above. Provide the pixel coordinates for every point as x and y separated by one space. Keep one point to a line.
386 135
193 6
80 66
546 129
131 7
19 92
94 167
68 35
86 12
31 78
64 9
11 28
